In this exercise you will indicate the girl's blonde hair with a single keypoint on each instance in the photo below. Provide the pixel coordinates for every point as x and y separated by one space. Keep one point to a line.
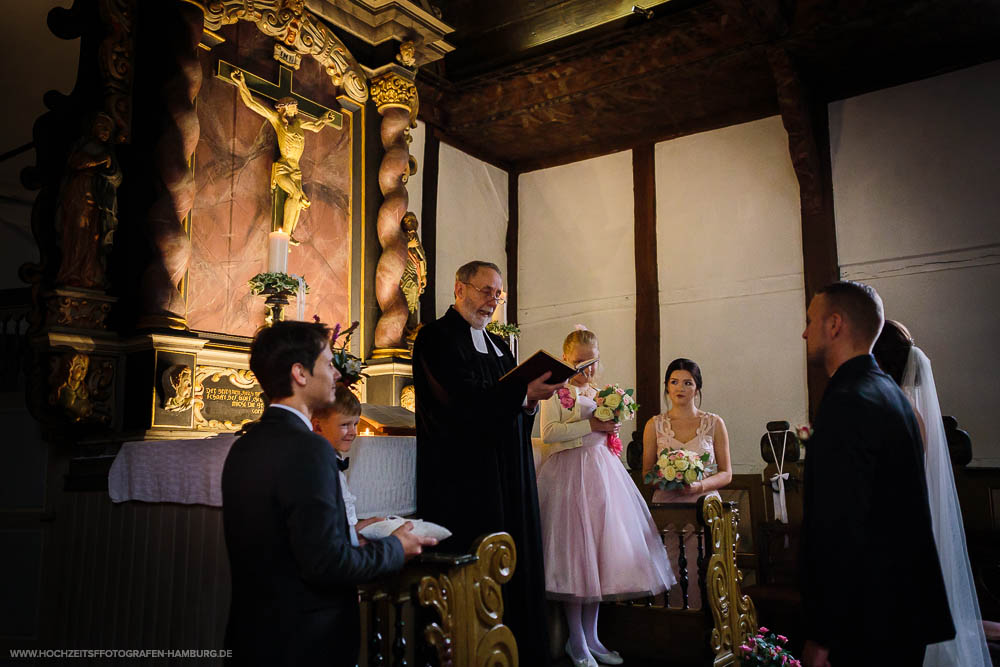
579 337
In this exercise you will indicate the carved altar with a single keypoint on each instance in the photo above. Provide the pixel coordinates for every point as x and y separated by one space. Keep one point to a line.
159 184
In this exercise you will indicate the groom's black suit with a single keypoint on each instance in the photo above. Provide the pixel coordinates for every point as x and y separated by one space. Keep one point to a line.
872 582
294 571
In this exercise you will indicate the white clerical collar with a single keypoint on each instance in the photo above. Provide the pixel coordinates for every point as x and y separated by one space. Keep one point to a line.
479 339
294 411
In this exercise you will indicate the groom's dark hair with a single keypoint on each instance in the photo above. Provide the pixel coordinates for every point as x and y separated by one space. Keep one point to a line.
277 348
858 303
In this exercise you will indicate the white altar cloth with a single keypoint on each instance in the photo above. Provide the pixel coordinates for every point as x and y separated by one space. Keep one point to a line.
382 473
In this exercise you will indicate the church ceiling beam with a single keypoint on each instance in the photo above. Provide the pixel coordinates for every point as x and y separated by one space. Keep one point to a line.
683 68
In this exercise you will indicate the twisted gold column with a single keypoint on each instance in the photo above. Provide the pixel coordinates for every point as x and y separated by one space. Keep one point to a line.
395 96
163 300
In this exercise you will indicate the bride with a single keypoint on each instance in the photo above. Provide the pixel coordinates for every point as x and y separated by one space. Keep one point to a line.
911 369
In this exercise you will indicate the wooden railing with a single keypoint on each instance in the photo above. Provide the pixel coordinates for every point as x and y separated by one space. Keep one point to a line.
706 617
447 610
442 609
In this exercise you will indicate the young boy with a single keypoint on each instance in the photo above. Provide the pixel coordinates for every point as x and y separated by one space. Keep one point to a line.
339 425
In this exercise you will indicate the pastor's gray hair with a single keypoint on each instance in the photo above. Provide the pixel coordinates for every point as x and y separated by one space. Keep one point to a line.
466 271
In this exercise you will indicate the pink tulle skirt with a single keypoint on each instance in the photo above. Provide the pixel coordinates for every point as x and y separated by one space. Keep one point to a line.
599 540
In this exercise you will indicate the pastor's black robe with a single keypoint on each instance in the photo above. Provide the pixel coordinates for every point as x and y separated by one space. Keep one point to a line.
475 471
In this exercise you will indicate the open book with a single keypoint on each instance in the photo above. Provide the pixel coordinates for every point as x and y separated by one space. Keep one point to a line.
541 362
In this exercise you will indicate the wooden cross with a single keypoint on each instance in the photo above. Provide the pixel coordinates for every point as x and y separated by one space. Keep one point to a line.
275 92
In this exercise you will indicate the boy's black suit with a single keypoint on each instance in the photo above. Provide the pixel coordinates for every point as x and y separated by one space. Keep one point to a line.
294 571
871 581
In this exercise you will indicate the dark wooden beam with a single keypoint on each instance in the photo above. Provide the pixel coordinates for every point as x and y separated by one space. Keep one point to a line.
806 121
428 223
647 290
511 246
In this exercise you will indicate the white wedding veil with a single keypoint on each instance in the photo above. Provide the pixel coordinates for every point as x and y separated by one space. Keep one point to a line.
968 648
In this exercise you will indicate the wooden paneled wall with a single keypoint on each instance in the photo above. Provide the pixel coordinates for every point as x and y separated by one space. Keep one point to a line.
135 575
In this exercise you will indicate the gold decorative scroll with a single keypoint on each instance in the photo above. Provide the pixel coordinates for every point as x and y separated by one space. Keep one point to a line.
734 614
469 604
289 22
238 377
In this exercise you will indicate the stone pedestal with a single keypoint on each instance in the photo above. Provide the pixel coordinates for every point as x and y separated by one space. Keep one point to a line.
388 376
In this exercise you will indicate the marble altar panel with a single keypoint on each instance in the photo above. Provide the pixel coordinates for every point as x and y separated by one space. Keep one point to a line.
232 212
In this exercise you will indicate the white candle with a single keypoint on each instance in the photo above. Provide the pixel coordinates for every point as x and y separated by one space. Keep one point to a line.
277 252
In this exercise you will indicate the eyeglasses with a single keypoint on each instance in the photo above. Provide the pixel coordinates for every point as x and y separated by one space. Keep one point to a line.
488 293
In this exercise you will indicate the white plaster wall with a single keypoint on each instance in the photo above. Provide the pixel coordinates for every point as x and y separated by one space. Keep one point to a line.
471 218
729 255
916 180
576 261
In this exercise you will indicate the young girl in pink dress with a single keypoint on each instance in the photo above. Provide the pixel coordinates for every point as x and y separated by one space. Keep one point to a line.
599 540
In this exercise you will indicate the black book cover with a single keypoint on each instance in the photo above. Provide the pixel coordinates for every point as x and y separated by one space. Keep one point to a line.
541 362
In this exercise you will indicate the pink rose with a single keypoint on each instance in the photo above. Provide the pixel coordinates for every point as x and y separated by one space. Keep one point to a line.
565 399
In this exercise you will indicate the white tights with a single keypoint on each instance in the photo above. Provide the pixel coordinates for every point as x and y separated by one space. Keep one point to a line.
581 621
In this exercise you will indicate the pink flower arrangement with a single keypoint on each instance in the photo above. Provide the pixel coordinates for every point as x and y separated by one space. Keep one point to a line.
767 648
617 405
566 398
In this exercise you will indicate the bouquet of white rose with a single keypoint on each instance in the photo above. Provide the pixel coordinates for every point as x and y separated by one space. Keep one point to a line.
617 405
678 468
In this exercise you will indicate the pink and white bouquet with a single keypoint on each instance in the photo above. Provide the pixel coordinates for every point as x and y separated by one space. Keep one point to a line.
678 469
617 405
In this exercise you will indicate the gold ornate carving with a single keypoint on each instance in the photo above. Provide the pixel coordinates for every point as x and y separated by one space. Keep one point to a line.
240 379
289 22
407 398
436 593
392 90
177 388
469 604
734 614
286 174
79 312
115 59
81 387
414 278
407 54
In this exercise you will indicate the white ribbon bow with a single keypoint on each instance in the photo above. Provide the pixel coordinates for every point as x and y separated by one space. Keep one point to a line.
778 480
780 506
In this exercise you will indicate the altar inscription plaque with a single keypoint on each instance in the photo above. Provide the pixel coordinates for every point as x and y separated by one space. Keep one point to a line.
226 398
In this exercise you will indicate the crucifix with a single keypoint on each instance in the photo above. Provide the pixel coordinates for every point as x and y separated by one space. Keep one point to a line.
286 175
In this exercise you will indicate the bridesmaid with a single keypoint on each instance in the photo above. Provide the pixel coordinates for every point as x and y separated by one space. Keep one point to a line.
685 426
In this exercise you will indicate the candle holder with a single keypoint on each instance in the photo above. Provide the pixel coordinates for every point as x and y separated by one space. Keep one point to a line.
275 287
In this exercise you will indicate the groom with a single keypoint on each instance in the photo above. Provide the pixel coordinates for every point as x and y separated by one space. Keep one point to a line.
872 589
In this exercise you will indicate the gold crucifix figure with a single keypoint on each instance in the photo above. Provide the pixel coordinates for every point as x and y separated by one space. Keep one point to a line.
290 130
